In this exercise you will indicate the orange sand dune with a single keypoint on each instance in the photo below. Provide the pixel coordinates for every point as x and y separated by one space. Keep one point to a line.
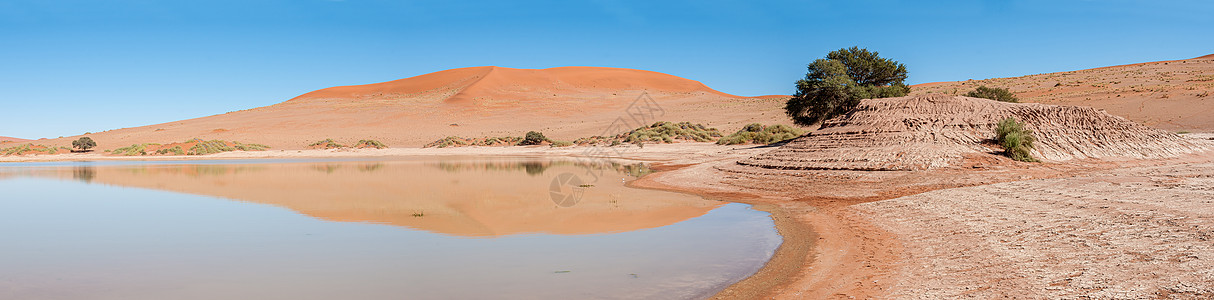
564 103
1173 95
5 139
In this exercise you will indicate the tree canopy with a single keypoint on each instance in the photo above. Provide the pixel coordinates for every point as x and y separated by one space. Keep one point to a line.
84 143
834 85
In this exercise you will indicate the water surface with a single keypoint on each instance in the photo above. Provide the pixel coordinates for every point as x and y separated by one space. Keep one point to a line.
438 228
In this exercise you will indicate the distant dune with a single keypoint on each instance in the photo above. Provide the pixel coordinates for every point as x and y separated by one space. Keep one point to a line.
5 139
564 103
1175 95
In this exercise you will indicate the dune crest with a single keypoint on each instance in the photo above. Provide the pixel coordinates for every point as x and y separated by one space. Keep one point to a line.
933 131
564 103
5 139
469 85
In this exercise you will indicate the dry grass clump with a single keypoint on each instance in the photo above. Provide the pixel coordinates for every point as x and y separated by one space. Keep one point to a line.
660 132
455 141
175 150
133 150
250 147
209 147
759 134
667 132
370 144
326 144
27 148
190 147
1017 141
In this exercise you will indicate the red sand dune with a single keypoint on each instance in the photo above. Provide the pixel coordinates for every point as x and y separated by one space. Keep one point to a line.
564 103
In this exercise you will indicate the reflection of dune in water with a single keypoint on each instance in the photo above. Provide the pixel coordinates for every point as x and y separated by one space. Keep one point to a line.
473 199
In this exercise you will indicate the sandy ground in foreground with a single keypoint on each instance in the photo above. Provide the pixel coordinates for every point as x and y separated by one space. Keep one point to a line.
990 229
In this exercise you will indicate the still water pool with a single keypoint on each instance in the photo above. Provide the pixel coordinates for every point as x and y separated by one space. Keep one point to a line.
433 228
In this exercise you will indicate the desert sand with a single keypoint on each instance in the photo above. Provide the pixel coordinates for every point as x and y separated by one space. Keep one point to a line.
1174 95
564 103
908 199
5 139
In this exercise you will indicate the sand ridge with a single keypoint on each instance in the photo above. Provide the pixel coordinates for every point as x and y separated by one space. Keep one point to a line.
1175 95
5 139
933 131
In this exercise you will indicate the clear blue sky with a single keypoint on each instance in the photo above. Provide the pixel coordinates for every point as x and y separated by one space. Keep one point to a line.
67 67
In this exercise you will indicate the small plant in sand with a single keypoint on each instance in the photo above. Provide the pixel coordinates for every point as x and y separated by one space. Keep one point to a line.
176 150
24 148
533 138
326 144
133 150
758 134
209 147
997 94
370 144
249 147
561 143
1017 141
668 132
84 143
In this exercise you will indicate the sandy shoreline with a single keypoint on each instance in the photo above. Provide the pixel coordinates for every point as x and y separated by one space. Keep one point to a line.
988 229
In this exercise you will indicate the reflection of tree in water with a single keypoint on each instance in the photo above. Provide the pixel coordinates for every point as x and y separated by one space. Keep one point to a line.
327 168
192 170
84 173
534 168
370 167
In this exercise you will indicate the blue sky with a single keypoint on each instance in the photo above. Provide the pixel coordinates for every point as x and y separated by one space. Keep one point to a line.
69 67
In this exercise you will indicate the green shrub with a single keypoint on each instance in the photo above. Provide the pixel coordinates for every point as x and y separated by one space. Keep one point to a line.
209 147
533 138
667 132
250 147
327 144
133 150
1017 141
997 94
561 143
758 134
370 144
21 149
176 150
447 142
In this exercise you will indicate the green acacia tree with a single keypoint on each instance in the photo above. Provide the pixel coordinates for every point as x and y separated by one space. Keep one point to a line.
836 84
84 143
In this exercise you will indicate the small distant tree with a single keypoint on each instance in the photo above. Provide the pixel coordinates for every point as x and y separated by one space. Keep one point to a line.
84 143
835 85
1017 141
533 138
997 94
